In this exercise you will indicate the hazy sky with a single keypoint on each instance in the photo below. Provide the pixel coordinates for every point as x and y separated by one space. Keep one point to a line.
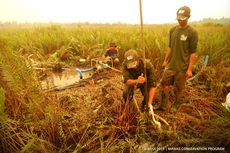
108 11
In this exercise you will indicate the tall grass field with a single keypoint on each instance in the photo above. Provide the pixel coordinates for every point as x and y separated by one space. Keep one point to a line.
85 119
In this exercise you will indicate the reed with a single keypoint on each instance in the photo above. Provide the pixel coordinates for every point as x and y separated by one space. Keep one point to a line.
97 121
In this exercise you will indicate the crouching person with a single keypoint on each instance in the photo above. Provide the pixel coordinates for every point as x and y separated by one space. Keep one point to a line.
113 53
134 77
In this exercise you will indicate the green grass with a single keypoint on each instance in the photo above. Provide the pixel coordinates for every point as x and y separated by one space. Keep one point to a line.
34 121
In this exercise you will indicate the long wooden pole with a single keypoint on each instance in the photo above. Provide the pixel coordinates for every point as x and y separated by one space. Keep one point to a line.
143 50
142 32
146 79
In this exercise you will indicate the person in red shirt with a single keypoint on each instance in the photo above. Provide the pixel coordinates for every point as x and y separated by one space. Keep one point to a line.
112 52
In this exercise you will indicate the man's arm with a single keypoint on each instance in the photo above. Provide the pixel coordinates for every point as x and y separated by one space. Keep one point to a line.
168 52
133 82
105 54
192 60
152 92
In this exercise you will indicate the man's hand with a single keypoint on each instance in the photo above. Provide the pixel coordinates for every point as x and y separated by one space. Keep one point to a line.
164 64
188 74
141 79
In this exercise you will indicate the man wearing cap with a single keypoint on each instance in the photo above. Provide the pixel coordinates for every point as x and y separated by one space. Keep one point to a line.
179 57
112 52
134 76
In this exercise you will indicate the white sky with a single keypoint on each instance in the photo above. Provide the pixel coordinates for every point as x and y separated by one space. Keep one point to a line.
108 11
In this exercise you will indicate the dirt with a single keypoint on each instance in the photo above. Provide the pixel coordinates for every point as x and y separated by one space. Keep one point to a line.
97 108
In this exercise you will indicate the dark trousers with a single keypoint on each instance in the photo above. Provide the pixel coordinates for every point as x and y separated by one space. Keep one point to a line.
129 91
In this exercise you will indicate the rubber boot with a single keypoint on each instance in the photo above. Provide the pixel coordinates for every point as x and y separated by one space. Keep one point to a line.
164 100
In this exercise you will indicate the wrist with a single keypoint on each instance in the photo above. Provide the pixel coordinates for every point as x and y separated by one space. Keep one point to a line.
189 70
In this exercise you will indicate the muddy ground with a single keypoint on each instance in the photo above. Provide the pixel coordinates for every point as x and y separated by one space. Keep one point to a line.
96 110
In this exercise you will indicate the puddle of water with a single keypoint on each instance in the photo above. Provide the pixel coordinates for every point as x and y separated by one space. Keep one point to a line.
62 79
